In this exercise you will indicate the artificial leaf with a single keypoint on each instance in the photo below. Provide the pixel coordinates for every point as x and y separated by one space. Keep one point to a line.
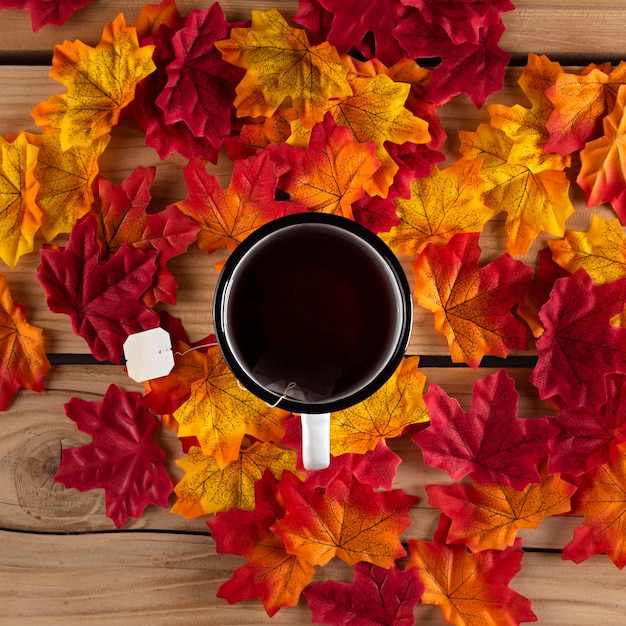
580 102
23 361
601 498
122 217
270 573
122 457
200 89
153 16
43 12
601 251
376 213
281 63
534 200
447 202
205 488
489 442
100 82
472 305
384 415
488 516
580 345
347 519
602 174
585 439
20 216
330 173
101 298
527 126
375 596
471 589
219 413
227 216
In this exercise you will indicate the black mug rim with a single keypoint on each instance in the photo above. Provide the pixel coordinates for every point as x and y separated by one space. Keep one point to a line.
290 404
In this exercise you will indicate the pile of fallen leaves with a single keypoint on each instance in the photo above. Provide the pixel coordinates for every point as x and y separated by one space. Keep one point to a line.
332 113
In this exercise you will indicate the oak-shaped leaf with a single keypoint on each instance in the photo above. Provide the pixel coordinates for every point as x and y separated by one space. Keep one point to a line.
470 588
471 304
585 439
23 360
601 499
100 82
580 346
347 519
376 596
102 298
489 442
227 216
20 215
280 63
270 573
122 457
488 516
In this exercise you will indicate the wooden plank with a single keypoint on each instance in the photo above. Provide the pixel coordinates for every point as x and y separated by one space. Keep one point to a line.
163 579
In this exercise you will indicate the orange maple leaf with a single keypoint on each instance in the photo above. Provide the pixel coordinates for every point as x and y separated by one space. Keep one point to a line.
153 16
281 63
447 202
101 81
20 216
384 415
23 361
206 488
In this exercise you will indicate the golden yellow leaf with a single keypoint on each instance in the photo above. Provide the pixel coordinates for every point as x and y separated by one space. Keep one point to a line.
281 64
100 82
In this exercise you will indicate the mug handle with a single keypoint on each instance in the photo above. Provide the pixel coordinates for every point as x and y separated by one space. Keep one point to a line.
315 440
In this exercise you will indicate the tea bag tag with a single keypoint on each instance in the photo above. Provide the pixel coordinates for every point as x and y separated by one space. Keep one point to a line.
149 354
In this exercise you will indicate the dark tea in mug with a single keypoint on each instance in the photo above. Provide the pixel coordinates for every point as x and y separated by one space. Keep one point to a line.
314 311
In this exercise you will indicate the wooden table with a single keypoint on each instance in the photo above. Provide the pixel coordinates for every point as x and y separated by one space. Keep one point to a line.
61 559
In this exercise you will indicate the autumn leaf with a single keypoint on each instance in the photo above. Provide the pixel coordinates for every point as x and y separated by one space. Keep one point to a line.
470 589
601 498
376 596
153 16
227 216
270 572
206 489
100 82
20 216
535 200
348 520
122 457
488 516
219 413
376 213
43 12
280 63
580 102
585 439
472 305
580 346
23 360
330 173
101 298
489 442
447 202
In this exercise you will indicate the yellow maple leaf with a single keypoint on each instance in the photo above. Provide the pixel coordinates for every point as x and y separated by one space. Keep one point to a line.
206 488
101 81
281 64
20 216
447 202
384 415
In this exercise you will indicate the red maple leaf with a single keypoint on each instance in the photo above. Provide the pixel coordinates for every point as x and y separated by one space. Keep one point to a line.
122 457
580 345
376 596
121 211
103 299
488 442
586 439
270 573
44 12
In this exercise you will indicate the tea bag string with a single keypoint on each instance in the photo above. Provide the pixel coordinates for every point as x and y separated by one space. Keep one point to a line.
204 345
288 388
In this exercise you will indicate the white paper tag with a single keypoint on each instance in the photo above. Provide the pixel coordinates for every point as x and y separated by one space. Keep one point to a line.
149 354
